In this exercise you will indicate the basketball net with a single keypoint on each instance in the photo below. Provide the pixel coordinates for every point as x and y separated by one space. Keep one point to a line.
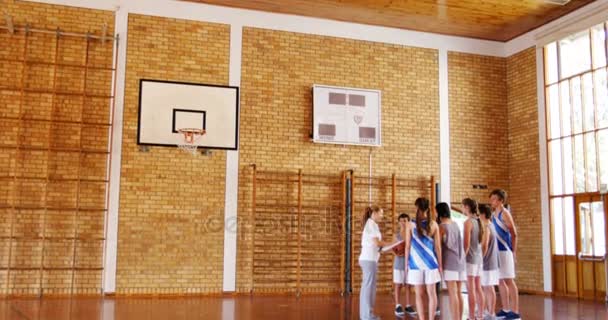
191 135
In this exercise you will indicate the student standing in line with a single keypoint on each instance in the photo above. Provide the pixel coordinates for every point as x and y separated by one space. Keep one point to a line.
453 259
473 233
399 271
489 249
506 234
371 242
423 256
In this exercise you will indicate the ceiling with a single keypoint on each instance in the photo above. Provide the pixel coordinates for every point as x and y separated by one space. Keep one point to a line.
499 20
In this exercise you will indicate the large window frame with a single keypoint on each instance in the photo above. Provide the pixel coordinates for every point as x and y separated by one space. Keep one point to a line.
576 113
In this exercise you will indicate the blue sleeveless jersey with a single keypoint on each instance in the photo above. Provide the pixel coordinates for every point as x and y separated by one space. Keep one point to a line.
503 236
422 252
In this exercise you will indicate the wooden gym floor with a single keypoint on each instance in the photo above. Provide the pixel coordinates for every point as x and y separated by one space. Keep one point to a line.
259 307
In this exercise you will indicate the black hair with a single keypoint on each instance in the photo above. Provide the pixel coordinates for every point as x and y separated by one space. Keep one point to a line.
443 210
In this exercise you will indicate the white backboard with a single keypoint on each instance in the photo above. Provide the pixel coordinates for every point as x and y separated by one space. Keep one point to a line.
166 106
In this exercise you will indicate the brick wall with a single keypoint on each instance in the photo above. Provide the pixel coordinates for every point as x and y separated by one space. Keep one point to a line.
478 124
52 191
524 167
171 236
278 71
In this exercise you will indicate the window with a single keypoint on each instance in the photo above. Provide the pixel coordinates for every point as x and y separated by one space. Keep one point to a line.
576 95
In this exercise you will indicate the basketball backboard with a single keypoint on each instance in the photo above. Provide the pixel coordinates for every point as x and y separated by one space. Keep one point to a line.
165 107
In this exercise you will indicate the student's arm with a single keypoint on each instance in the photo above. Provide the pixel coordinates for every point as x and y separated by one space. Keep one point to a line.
437 245
374 232
511 226
485 241
408 242
380 243
394 240
467 236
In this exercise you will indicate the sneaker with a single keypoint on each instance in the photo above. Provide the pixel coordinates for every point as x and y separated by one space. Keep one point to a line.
513 316
437 312
410 310
488 317
502 314
399 311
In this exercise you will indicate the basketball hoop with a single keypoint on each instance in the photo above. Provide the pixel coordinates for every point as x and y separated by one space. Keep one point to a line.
191 135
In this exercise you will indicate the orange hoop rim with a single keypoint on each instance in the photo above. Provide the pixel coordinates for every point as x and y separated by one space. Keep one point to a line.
191 131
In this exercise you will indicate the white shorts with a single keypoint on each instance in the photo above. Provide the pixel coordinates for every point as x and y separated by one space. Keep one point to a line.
489 278
398 276
506 265
449 275
474 270
418 277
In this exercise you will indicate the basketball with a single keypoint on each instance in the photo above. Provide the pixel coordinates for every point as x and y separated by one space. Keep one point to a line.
399 250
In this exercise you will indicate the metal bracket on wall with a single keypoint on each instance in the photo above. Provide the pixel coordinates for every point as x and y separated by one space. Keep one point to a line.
9 23
104 32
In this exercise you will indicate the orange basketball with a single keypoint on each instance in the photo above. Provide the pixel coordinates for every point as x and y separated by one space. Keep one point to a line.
399 250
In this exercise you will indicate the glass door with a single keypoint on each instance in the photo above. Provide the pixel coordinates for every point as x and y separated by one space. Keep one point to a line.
591 246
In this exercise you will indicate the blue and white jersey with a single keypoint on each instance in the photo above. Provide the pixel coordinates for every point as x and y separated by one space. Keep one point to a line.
503 236
422 252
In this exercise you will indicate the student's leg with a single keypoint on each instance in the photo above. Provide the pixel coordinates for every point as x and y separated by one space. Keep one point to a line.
471 295
460 300
373 294
407 295
438 292
453 299
504 295
432 293
507 289
492 290
420 301
490 299
396 292
479 297
367 270
513 295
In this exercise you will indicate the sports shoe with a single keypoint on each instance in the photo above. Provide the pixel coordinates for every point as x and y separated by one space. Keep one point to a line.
410 310
437 312
513 316
502 314
399 311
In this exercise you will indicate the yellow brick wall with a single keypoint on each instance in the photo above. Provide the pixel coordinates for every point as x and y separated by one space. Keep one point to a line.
524 167
478 125
40 203
171 238
278 71
170 233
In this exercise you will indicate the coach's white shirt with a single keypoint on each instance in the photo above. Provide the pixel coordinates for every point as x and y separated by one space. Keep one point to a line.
369 250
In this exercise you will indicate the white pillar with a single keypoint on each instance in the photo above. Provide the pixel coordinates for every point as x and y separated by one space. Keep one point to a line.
444 127
544 187
232 171
111 244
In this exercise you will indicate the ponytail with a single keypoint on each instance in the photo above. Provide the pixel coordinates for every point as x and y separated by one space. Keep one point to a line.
473 207
482 230
422 208
368 214
485 210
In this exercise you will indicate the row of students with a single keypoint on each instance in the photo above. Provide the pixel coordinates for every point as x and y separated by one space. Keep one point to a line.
482 256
